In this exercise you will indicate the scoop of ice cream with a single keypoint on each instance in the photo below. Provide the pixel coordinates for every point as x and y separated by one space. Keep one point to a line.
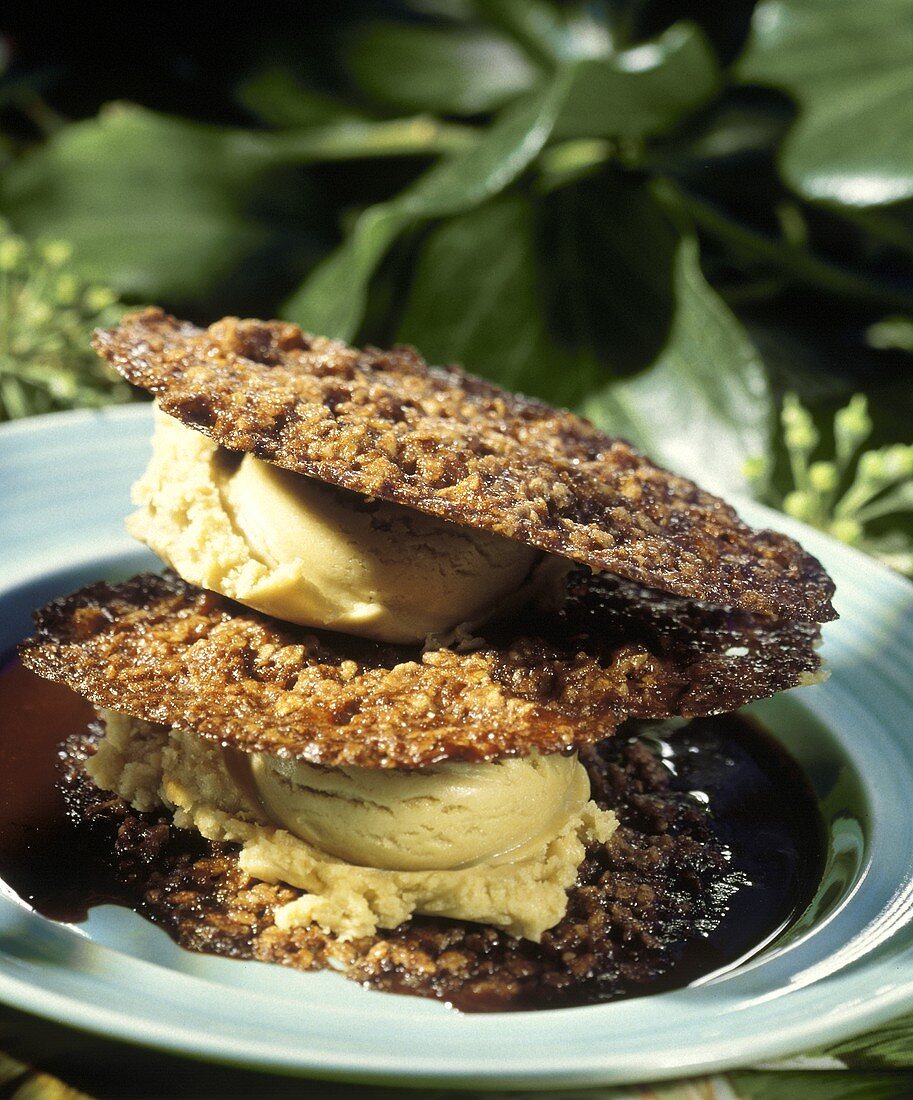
523 891
371 568
310 553
449 816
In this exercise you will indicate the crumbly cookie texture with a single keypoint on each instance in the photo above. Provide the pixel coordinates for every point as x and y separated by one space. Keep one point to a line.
385 424
159 649
153 767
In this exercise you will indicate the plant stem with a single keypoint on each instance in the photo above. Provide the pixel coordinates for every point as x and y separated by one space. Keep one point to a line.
802 266
888 229
420 135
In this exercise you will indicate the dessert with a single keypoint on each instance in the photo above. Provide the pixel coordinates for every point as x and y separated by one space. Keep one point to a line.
404 611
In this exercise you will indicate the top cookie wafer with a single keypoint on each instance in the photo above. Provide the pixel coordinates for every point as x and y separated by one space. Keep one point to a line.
386 424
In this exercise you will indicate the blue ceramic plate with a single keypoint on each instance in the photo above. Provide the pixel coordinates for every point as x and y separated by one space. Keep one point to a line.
845 966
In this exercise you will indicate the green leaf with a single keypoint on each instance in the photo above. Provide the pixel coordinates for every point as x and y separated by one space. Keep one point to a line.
742 123
619 290
483 170
890 226
151 205
611 252
332 300
641 91
549 35
477 298
850 67
448 69
828 1084
277 98
704 407
158 208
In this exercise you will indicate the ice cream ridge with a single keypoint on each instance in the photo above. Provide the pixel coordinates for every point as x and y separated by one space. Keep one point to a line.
400 604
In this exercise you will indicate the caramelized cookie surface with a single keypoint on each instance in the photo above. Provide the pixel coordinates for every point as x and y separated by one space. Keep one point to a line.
385 424
159 649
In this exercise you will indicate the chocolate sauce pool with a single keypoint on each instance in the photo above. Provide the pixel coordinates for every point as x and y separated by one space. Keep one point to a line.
760 806
44 857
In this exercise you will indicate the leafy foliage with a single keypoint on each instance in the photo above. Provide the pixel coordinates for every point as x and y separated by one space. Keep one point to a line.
47 314
641 91
821 1085
482 295
850 66
333 299
851 492
667 225
161 207
455 70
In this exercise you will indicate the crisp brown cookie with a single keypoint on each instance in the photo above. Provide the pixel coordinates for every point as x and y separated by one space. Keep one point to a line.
436 439
159 649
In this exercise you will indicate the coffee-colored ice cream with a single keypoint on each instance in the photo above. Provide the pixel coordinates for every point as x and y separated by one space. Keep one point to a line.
539 806
310 553
440 818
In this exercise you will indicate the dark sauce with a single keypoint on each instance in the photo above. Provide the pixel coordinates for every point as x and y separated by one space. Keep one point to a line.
766 817
756 804
44 857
